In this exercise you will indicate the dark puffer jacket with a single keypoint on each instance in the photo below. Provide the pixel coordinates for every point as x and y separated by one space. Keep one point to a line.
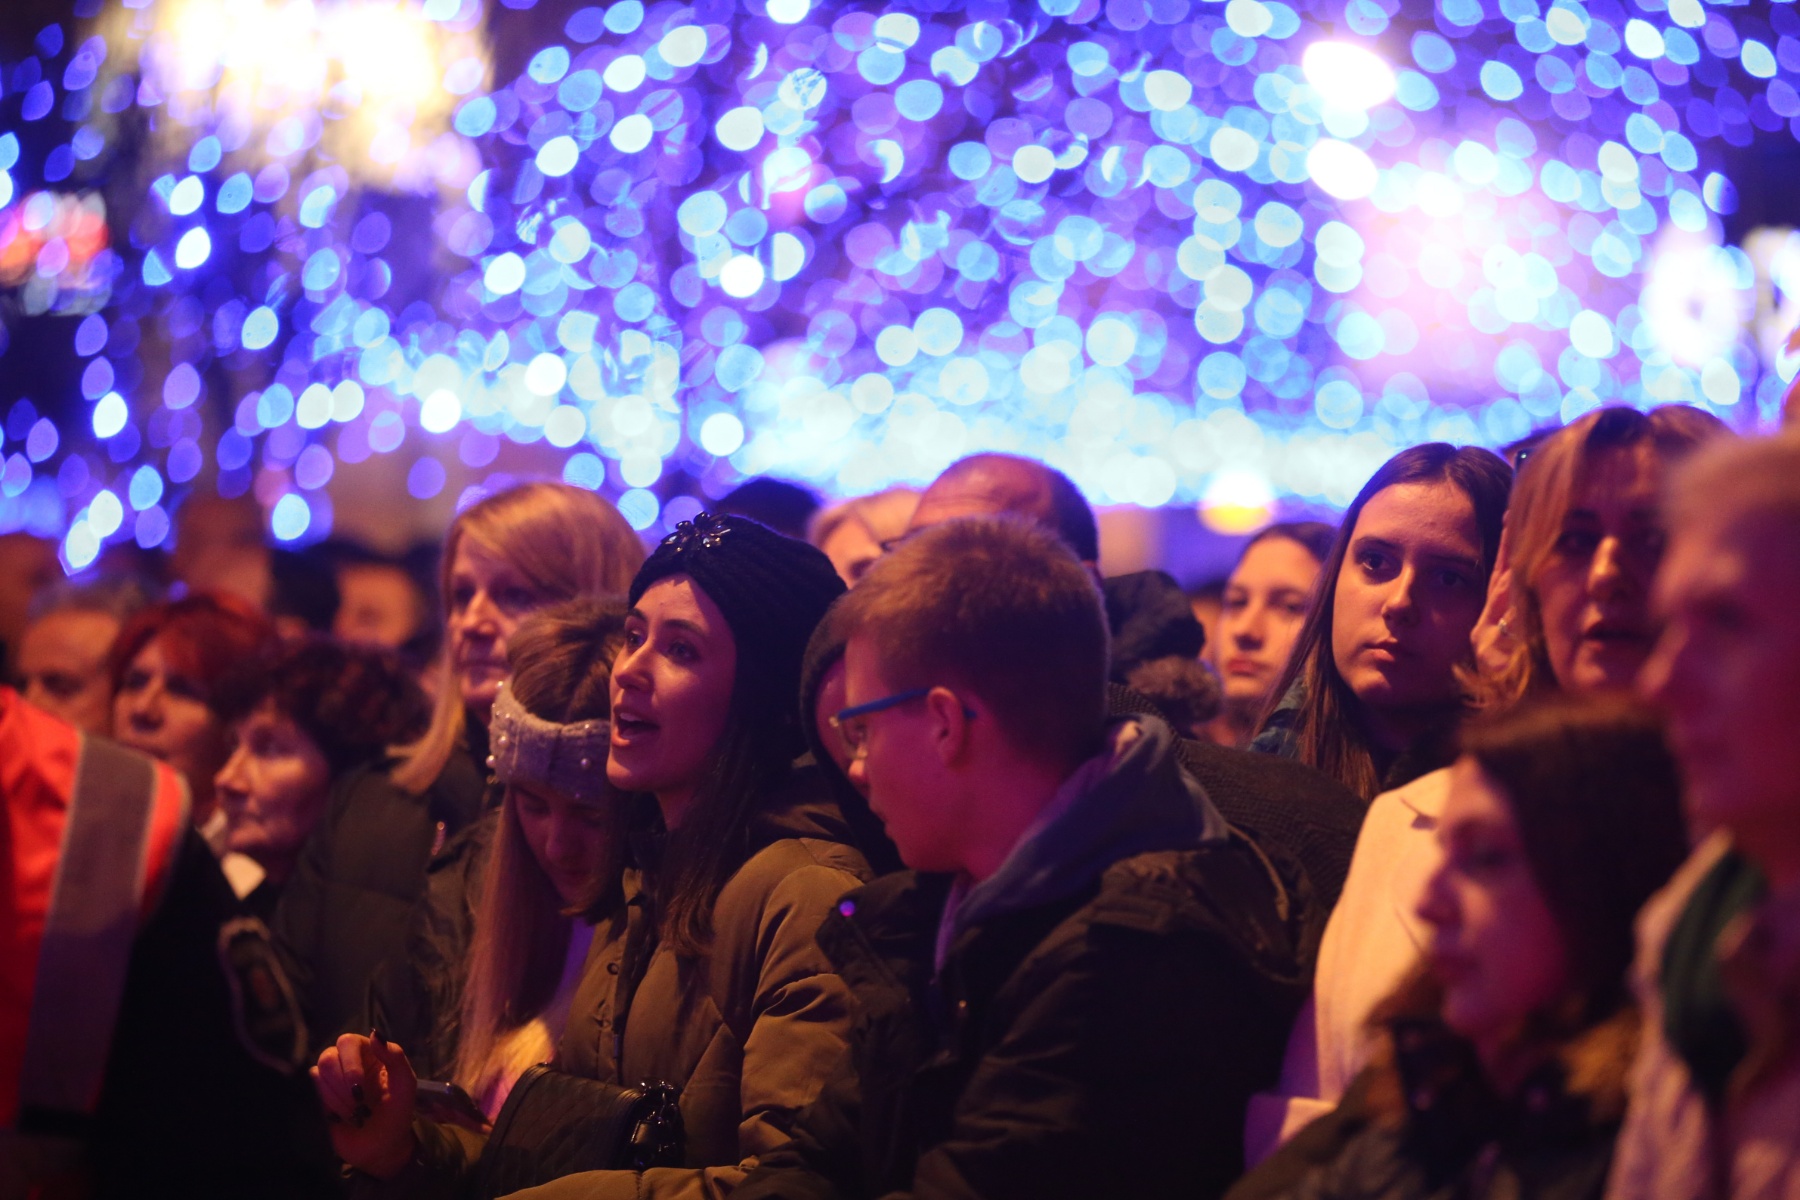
1107 1004
1422 1123
415 998
350 900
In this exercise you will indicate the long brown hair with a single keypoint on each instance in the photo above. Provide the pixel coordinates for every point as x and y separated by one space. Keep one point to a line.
566 542
561 660
1327 728
773 591
1541 496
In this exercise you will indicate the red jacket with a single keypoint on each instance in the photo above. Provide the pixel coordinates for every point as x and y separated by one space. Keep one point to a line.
39 756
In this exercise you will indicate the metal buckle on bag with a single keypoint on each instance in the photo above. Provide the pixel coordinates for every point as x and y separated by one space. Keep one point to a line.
658 1139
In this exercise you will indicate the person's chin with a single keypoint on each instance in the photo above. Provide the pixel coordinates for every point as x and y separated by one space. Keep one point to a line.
573 890
924 859
142 746
1463 1015
247 843
630 772
480 696
1380 687
1244 686
1608 666
1712 796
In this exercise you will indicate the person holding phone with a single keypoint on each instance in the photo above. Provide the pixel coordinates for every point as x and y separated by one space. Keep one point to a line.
361 876
499 1007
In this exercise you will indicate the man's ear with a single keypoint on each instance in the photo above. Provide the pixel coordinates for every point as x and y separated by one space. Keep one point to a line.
949 725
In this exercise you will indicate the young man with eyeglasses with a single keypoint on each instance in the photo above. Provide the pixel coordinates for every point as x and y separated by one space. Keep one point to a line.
1084 973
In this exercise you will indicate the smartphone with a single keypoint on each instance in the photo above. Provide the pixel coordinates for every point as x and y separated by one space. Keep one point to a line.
447 1103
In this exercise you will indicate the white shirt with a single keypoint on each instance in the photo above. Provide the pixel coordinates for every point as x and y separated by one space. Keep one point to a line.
1372 941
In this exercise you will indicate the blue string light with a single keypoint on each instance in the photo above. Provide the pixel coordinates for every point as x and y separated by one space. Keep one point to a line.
1185 250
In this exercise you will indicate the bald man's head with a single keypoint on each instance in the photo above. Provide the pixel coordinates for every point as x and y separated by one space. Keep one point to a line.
985 485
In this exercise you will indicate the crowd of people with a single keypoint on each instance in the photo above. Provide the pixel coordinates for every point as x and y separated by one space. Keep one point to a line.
895 850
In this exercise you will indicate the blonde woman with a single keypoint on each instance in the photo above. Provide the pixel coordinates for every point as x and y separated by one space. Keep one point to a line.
352 896
548 850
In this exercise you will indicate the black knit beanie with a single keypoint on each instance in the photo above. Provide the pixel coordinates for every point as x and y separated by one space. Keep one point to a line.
772 590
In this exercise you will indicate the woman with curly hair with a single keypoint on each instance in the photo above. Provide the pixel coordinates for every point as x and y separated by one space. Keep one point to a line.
312 713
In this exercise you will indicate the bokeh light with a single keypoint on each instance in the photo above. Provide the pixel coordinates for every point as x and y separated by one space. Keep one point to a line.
1217 254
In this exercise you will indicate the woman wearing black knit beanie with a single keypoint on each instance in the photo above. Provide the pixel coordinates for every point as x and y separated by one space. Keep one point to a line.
734 858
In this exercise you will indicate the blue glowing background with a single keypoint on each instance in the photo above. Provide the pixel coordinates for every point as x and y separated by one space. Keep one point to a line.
1150 241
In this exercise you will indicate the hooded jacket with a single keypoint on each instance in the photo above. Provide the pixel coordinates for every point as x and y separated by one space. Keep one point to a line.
1105 1004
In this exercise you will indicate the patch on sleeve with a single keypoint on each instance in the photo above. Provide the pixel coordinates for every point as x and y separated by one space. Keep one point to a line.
264 1010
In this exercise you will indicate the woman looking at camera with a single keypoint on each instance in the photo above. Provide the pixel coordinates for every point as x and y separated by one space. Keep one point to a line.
1371 692
1568 610
1260 616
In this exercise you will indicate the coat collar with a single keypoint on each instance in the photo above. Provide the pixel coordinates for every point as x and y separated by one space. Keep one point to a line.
1133 798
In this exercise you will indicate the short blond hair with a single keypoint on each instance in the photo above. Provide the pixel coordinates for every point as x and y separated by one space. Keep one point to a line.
1001 608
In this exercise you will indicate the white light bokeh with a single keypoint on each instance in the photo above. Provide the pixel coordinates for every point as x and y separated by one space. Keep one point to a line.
254 66
1348 76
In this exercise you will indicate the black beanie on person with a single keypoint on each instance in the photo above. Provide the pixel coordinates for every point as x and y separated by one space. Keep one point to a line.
772 590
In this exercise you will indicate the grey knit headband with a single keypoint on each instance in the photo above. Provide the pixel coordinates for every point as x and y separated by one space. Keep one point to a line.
570 759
